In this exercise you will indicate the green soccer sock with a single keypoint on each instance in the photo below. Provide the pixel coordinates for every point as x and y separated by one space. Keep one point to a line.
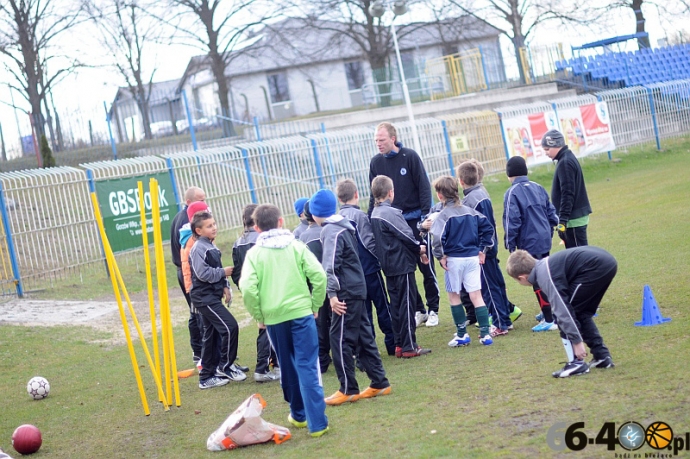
482 319
459 317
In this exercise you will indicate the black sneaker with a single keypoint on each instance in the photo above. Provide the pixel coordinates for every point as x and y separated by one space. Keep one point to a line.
606 362
213 381
574 368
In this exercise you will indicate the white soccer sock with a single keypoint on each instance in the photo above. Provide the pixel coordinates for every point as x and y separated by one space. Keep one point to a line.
568 349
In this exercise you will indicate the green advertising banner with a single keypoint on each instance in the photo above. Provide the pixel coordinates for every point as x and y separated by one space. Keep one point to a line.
119 203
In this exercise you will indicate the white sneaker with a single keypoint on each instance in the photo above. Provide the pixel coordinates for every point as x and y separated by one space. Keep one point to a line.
459 341
266 377
420 318
432 321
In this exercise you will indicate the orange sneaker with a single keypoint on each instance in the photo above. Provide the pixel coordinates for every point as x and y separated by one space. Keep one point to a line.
370 392
339 398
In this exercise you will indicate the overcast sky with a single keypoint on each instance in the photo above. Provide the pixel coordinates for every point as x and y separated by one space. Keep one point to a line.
83 94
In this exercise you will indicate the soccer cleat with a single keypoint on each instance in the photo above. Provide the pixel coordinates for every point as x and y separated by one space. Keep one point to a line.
544 326
539 317
459 342
420 318
606 362
416 353
495 331
398 352
265 377
298 424
318 433
232 373
516 314
574 368
213 381
432 321
370 392
339 398
486 340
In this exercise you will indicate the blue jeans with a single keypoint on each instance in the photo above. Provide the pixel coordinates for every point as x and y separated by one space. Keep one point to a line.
297 344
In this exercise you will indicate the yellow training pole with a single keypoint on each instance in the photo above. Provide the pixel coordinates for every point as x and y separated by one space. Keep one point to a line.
111 263
163 289
149 284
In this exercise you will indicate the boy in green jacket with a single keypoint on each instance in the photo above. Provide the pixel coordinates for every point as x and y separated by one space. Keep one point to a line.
275 292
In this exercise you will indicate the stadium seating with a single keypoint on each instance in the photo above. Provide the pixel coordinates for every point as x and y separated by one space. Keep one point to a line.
622 69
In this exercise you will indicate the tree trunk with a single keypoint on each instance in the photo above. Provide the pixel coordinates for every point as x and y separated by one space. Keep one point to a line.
218 67
143 104
518 38
381 76
642 42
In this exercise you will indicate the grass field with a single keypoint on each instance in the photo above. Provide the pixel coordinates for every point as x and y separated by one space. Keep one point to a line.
475 402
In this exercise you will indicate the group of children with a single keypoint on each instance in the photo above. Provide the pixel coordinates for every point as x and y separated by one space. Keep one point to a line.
312 298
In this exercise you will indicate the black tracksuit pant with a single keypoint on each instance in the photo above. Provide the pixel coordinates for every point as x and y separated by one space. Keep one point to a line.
196 327
575 237
402 290
221 335
585 302
265 354
376 293
431 290
323 330
351 331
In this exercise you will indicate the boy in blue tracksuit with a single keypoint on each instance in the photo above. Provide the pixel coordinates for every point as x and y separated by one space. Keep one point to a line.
346 289
461 238
303 223
348 195
312 238
528 222
493 284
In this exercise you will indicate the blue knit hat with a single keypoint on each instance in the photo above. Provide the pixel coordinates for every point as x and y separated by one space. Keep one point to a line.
323 204
299 205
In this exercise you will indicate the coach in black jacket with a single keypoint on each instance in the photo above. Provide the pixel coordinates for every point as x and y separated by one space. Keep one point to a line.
568 192
412 197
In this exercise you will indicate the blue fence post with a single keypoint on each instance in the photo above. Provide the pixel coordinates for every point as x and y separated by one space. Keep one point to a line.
317 163
654 120
503 135
10 244
600 99
486 75
171 171
323 128
110 131
92 189
189 119
448 148
250 180
257 130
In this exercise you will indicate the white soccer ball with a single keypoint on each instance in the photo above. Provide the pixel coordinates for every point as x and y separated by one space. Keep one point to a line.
38 387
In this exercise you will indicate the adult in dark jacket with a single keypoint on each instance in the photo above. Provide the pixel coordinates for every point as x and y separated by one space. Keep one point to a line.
196 328
413 198
568 192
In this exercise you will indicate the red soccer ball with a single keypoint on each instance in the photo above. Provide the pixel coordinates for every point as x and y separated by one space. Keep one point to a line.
26 439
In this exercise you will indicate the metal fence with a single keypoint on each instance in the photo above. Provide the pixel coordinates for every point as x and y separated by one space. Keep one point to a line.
48 222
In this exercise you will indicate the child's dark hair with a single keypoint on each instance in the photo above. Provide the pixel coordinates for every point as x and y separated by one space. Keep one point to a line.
468 172
447 186
520 263
380 187
247 215
198 221
266 217
345 189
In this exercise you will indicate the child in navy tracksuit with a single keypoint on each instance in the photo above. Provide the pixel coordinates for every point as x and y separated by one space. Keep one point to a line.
574 281
493 284
346 289
348 196
312 238
397 250
303 223
209 287
528 222
461 238
265 354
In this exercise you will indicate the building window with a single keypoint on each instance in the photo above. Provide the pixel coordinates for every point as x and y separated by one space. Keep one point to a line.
355 75
278 86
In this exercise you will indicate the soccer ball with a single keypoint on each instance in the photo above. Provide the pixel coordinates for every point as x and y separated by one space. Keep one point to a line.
38 387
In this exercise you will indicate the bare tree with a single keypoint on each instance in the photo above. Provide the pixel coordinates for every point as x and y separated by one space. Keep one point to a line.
29 34
125 31
518 19
219 28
